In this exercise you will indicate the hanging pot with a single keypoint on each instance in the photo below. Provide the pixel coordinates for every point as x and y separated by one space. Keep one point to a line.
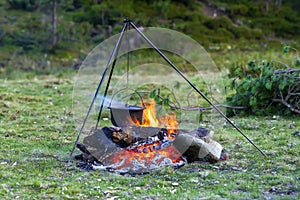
126 115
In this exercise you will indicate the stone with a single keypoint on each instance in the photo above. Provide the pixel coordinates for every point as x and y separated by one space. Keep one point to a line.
196 148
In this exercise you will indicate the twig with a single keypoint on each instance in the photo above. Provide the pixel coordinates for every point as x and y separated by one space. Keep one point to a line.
276 61
297 53
284 102
203 108
287 105
209 107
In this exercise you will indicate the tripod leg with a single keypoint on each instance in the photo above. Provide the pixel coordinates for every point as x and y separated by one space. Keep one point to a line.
112 57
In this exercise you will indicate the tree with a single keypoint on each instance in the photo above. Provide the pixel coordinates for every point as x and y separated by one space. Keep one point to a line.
278 4
54 24
267 5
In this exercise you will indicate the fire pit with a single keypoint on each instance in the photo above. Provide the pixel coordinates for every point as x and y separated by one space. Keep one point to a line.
144 147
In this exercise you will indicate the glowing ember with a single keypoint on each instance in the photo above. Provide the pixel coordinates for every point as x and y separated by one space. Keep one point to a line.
129 158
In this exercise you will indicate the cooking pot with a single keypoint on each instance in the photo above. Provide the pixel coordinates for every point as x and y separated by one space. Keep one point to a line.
126 115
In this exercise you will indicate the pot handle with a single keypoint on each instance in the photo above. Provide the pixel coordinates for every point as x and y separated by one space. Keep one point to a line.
133 92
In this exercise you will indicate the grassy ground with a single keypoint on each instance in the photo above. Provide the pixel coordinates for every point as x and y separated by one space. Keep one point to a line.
37 133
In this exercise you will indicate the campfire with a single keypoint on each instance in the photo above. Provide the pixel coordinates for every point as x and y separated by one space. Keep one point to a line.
138 140
147 144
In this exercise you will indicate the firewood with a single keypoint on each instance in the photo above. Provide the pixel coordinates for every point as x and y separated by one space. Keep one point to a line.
195 145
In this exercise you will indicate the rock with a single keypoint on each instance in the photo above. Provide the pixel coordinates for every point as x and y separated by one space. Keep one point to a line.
202 133
196 148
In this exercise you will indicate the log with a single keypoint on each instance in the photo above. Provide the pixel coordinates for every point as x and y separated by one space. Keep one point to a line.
99 145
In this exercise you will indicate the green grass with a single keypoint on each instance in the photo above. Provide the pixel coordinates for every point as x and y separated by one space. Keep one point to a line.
37 132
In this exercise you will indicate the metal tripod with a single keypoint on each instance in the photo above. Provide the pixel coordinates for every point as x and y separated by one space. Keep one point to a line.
110 68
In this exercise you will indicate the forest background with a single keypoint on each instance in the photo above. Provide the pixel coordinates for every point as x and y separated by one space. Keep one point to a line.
54 36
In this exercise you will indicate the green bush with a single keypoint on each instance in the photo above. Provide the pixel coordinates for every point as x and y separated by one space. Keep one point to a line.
28 5
244 32
221 22
279 26
287 29
265 88
238 10
175 11
287 13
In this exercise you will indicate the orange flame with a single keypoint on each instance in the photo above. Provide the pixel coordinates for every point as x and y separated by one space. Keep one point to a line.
168 121
149 115
147 153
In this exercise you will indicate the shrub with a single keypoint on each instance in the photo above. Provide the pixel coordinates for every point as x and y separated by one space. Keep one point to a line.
28 5
238 10
221 22
266 88
244 32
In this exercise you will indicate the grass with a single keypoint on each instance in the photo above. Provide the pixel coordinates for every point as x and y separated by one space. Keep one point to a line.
37 132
